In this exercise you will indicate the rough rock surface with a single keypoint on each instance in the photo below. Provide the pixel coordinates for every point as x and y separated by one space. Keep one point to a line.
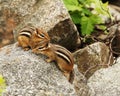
80 84
92 58
106 81
50 15
27 74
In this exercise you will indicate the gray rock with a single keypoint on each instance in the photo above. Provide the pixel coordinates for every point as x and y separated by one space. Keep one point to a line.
80 84
27 74
106 81
115 11
92 58
50 15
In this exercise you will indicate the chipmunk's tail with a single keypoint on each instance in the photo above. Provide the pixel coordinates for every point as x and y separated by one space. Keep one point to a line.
72 75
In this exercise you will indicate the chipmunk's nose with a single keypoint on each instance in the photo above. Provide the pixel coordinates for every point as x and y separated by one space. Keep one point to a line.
33 51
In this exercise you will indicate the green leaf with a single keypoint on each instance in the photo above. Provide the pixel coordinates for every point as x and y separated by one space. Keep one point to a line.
76 17
88 23
71 2
101 8
96 19
86 11
72 5
102 27
86 26
2 84
2 81
86 2
73 8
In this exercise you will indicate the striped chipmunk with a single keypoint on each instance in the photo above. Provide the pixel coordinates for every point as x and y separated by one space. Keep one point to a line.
30 37
60 55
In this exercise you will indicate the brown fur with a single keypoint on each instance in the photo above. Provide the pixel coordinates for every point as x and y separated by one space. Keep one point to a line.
31 42
50 52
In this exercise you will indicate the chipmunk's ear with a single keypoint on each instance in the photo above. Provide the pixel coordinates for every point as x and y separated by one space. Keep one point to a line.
40 33
36 30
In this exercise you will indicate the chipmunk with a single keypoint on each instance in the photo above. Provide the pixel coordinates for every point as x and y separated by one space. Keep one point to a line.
30 37
60 55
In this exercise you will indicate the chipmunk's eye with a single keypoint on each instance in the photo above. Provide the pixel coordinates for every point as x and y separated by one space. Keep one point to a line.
47 45
41 47
41 35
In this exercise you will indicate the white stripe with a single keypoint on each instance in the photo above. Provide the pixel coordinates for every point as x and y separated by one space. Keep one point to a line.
64 56
26 33
44 48
40 36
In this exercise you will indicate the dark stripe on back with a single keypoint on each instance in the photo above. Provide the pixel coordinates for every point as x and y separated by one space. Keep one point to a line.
63 58
26 31
25 35
45 46
60 51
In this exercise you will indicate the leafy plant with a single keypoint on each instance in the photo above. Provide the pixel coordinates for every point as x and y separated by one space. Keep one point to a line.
87 13
2 85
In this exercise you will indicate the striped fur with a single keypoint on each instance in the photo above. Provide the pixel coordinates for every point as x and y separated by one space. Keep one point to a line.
63 56
60 55
25 34
31 37
63 53
59 51
27 31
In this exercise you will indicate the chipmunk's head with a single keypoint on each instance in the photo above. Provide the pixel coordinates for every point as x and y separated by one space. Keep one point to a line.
41 34
41 48
40 37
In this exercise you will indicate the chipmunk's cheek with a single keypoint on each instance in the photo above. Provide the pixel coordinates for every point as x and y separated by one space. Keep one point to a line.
41 52
33 51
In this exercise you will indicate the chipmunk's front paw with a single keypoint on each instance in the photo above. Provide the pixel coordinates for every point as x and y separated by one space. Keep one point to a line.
18 44
26 49
67 75
48 60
